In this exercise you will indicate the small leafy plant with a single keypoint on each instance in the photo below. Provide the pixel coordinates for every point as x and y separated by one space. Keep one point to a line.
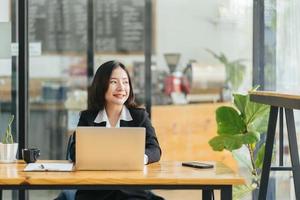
241 126
235 70
8 138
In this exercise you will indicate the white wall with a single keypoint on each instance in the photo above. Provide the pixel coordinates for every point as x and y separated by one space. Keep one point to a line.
4 10
189 27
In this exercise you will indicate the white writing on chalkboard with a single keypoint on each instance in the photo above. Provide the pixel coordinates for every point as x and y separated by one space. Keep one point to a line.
61 25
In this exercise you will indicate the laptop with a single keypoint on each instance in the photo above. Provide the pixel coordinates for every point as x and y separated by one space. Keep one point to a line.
100 148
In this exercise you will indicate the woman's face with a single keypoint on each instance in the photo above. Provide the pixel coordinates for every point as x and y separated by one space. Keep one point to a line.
118 87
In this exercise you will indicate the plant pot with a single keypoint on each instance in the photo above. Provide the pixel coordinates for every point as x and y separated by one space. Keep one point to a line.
8 152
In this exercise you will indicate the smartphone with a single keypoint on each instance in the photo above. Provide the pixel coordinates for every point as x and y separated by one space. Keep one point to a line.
196 164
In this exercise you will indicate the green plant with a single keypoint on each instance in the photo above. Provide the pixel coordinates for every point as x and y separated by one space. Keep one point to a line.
235 70
241 126
8 138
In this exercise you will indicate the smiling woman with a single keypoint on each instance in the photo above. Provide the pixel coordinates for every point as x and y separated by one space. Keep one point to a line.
111 104
111 78
117 93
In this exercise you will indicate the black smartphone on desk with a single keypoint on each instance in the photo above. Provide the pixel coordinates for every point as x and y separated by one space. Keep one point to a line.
196 164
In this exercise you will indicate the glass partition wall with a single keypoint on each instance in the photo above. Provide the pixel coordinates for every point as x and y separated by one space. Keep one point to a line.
57 34
59 68
57 72
282 49
8 71
203 53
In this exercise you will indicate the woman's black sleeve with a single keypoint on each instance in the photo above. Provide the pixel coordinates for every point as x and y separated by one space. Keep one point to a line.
72 139
152 150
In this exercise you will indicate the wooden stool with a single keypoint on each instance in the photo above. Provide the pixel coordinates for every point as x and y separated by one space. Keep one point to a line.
288 102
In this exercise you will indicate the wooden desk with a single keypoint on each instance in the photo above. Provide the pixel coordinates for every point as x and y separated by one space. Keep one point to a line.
163 175
288 102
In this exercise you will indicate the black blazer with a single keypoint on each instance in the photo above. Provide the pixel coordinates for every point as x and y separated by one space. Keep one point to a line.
140 119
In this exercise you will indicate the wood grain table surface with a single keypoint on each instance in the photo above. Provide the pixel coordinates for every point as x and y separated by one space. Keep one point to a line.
162 173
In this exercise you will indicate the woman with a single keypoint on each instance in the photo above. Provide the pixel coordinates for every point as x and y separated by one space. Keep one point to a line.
111 104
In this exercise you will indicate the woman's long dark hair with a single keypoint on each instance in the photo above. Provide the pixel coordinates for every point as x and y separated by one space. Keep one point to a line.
99 86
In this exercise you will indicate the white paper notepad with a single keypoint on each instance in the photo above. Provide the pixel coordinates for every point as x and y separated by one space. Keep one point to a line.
67 167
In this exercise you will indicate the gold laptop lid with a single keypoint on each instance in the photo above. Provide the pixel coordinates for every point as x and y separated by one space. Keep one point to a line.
100 148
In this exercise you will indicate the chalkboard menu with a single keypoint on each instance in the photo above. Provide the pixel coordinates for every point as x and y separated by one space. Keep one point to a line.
61 25
119 25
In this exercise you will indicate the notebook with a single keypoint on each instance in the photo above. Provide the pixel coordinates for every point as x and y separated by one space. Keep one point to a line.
100 148
41 166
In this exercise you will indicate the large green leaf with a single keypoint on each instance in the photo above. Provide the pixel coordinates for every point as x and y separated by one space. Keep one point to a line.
240 101
228 142
260 157
251 137
257 117
254 114
243 160
232 142
240 191
229 121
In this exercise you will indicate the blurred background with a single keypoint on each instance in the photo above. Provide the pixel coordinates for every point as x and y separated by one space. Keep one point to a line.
197 54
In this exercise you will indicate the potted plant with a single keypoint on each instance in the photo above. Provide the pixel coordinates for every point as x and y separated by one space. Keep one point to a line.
240 128
234 70
8 148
